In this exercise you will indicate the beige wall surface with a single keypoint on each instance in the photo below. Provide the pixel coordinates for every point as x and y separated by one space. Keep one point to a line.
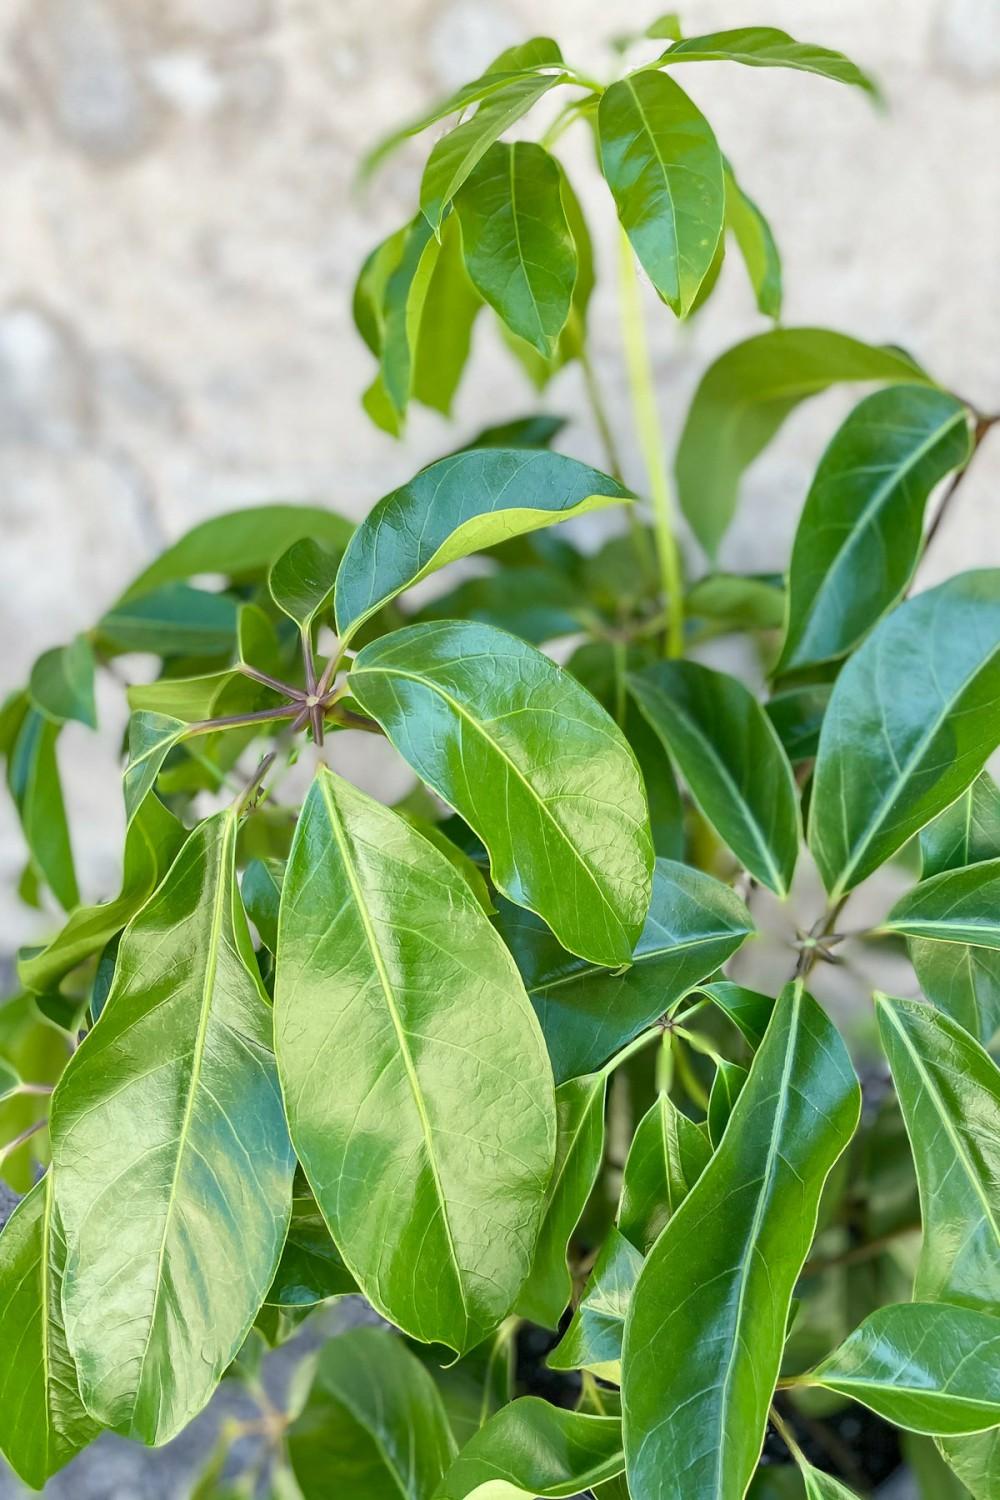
180 238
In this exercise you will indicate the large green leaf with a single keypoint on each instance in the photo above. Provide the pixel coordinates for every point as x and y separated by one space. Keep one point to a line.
450 306
62 683
593 1340
532 763
957 906
518 247
532 1449
665 171
173 620
171 1156
949 1092
861 528
418 1092
912 719
718 1283
767 47
966 832
744 398
373 1426
925 1366
587 1013
668 1154
728 752
36 790
462 504
43 1422
963 980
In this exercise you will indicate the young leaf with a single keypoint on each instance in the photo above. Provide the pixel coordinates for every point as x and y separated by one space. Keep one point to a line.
726 1088
588 1013
767 47
966 832
860 533
36 790
752 234
668 1154
171 1157
151 737
924 1366
43 1422
310 1269
744 398
532 1449
564 818
729 754
174 620
593 1340
418 1092
579 1151
373 1423
459 505
949 1092
518 247
301 581
62 683
718 1282
912 719
664 168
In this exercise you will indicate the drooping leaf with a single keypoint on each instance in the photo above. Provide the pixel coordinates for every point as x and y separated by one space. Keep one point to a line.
729 754
912 719
797 715
665 171
966 832
587 1013
744 398
539 431
593 1340
310 1269
62 683
301 581
533 603
532 1449
668 1154
924 1366
463 862
860 533
749 1010
726 1088
767 47
43 1422
752 234
171 1157
172 620
444 338
718 1282
563 815
431 1153
949 1092
35 787
373 1424
462 504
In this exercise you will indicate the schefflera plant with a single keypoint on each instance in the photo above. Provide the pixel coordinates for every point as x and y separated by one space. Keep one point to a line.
477 1056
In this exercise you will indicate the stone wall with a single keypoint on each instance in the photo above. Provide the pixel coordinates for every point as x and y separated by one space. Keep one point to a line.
181 236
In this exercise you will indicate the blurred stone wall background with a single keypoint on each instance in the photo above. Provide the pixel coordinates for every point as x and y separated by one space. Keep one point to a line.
180 238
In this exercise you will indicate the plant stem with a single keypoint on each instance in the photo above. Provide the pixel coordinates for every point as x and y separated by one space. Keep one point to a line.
599 412
783 1430
19 1140
284 688
239 721
687 1076
642 1040
651 444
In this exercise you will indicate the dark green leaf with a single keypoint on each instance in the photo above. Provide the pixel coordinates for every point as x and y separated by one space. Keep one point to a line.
797 715
34 784
966 832
593 1340
450 306
957 906
301 581
726 1088
767 47
261 888
748 1010
62 683
173 620
310 1269
668 1154
533 603
539 431
531 1449
756 244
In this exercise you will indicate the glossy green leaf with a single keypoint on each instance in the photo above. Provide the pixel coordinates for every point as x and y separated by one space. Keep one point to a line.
949 1092
752 234
797 715
912 719
462 504
151 737
62 683
861 529
957 906
593 1340
36 790
767 47
444 339
173 620
579 1151
310 1269
726 1088
749 1010
171 1157
519 251
729 754
564 817
922 1365
373 1426
718 1282
976 1461
966 832
533 603
531 1449
261 890
463 862
744 398
663 166
668 1154
961 979
738 600
587 1013
43 1422
301 581
418 1093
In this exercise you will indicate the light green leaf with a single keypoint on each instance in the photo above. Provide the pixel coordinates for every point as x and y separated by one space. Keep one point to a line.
726 1088
861 529
36 790
174 620
663 166
767 47
579 1152
593 1340
976 1461
744 398
428 1135
519 251
729 754
718 1282
912 719
450 306
752 234
668 1154
462 504
151 737
43 1422
966 832
739 601
62 683
949 1092
924 1366
588 1013
373 1424
463 862
301 581
563 815
310 1269
171 1157
532 1449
